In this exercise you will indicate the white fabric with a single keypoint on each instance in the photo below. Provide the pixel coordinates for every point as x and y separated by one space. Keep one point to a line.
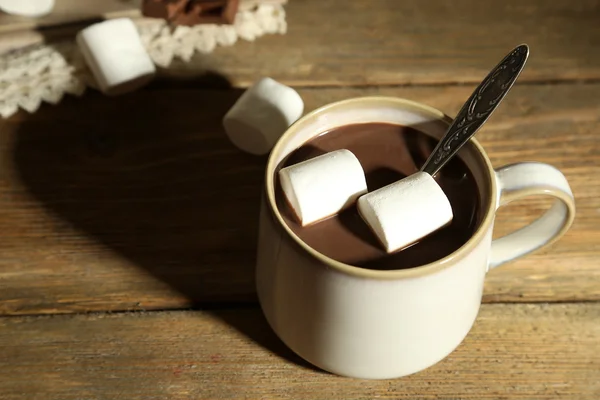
48 71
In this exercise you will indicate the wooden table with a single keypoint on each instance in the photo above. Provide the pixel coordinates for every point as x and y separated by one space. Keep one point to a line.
129 224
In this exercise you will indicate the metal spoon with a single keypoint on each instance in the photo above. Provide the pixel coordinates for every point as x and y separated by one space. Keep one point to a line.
478 108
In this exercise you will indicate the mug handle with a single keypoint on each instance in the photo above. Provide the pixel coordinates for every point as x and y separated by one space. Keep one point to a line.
520 180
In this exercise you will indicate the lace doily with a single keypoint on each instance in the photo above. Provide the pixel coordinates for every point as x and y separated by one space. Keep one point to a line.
47 72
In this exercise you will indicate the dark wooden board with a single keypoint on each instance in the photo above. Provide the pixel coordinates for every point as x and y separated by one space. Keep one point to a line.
140 202
399 42
376 42
515 351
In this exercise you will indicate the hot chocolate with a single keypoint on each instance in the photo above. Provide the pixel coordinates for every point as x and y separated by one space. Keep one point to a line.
387 153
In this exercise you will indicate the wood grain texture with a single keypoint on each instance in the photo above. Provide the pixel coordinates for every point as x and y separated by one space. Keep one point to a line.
513 352
375 42
140 202
71 11
340 42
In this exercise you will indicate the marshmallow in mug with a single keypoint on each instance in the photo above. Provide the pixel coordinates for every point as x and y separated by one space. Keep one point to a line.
27 8
405 211
323 186
261 115
114 52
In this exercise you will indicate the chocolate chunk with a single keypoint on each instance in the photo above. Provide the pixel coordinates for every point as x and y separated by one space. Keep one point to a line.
165 9
207 12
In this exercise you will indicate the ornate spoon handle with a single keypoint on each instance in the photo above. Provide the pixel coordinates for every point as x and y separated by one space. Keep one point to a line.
478 108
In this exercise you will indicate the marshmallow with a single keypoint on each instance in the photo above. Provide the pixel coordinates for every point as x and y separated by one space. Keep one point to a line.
27 8
261 115
405 211
114 52
322 186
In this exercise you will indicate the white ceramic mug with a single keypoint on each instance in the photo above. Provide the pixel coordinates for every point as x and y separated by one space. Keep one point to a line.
384 324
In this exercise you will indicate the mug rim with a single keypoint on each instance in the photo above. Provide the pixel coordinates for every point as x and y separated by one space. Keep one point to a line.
354 270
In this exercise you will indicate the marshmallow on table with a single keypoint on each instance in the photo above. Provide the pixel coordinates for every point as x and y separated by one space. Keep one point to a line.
405 211
261 115
322 186
27 8
114 52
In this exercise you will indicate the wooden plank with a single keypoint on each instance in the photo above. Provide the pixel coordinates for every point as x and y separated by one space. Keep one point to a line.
412 42
140 202
71 11
513 352
368 42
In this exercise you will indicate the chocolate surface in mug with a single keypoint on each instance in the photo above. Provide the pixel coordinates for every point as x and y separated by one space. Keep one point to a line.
387 153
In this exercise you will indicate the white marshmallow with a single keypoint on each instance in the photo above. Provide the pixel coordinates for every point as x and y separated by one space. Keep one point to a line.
322 186
406 211
261 115
27 8
114 52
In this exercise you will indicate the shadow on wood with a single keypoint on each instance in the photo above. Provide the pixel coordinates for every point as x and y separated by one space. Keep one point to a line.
152 177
